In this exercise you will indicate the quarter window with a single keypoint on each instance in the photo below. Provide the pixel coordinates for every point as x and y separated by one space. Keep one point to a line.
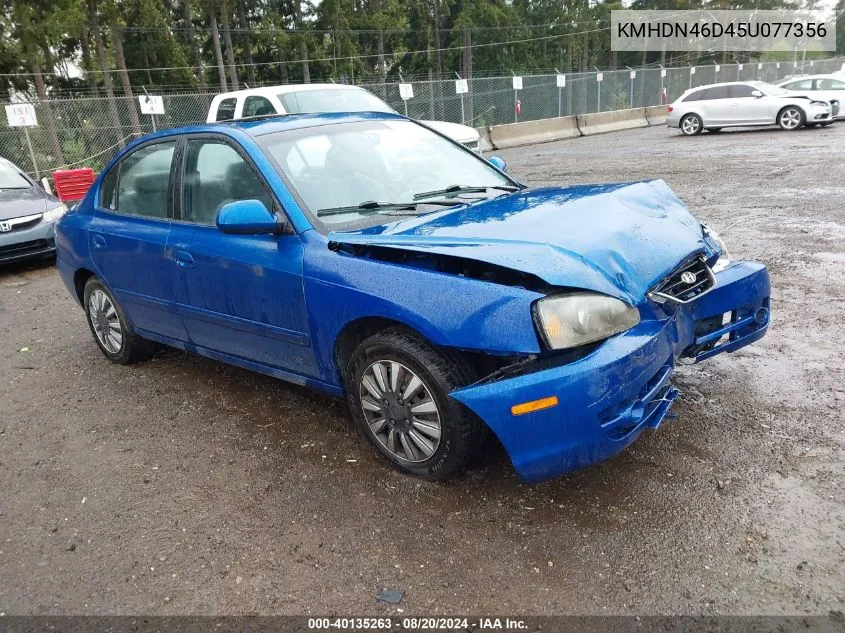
216 174
144 181
108 189
257 106
226 109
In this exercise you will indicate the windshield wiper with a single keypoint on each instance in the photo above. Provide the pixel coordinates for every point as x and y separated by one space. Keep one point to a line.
456 189
372 206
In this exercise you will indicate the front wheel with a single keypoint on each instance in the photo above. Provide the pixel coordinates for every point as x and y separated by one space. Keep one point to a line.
110 328
691 125
397 389
790 118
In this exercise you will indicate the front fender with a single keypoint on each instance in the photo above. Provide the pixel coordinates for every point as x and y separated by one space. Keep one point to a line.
448 310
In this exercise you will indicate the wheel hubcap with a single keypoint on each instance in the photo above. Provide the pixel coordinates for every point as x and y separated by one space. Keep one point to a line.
105 321
400 411
790 119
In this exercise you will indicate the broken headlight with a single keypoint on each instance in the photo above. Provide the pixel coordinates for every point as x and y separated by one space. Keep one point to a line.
724 257
581 318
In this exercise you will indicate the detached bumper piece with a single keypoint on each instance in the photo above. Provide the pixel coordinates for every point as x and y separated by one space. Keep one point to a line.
606 399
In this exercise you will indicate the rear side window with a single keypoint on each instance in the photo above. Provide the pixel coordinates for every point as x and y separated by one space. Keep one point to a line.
257 106
806 84
698 95
108 189
717 92
226 109
144 181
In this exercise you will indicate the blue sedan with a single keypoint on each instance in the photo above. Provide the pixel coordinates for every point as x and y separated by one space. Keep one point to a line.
367 256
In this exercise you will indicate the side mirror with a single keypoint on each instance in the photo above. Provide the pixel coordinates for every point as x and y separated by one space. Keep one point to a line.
498 163
248 217
756 93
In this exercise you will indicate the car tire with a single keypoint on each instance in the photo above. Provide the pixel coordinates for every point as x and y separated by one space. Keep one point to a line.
110 328
443 436
714 130
790 118
691 125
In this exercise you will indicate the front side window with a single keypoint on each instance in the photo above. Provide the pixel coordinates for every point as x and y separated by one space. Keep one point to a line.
144 181
332 167
831 84
216 174
741 91
257 106
226 109
332 100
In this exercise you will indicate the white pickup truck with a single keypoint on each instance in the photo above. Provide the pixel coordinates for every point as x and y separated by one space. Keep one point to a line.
312 98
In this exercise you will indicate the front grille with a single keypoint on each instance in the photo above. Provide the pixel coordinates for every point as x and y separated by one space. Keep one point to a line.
688 282
28 224
24 248
473 145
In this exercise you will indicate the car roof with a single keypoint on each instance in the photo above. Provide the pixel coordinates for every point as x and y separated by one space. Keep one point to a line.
820 76
281 123
284 89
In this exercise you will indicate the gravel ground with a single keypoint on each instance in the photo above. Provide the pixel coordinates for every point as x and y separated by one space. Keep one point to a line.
182 485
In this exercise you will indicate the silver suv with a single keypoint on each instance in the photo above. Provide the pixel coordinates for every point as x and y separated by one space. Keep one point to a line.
744 104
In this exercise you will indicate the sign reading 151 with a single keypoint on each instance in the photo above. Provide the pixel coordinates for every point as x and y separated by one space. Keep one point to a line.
21 115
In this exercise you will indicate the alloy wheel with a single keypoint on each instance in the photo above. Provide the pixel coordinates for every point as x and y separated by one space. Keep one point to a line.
400 411
105 321
691 125
790 119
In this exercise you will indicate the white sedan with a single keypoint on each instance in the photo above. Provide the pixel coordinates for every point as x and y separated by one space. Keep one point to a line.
826 87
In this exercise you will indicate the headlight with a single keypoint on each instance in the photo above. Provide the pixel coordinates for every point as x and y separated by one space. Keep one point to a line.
821 105
724 256
584 317
54 214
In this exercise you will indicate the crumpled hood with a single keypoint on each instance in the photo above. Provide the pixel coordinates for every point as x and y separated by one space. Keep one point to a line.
618 239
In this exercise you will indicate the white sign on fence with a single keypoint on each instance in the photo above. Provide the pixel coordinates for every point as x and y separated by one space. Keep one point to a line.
517 83
406 91
633 74
739 67
21 115
759 66
777 65
662 72
717 67
151 104
692 70
599 76
461 86
561 81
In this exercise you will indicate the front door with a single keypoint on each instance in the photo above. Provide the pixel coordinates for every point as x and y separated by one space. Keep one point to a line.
746 107
128 234
240 295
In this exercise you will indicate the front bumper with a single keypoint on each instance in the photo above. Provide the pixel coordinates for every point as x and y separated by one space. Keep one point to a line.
35 241
609 397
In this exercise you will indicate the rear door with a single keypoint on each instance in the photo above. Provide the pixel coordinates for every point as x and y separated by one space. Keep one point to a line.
716 106
240 295
128 235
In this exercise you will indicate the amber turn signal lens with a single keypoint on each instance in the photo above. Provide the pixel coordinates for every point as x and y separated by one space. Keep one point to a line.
534 405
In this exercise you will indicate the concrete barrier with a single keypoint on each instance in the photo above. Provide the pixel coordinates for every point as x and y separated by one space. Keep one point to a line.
656 115
612 121
530 132
484 143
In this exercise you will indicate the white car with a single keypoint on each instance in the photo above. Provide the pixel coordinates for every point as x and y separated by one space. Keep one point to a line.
314 98
745 104
826 87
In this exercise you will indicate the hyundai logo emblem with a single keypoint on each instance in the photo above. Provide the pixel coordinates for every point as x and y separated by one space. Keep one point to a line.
5 227
687 277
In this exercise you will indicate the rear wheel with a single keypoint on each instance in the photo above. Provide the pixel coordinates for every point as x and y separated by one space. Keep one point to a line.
691 125
397 389
790 118
110 328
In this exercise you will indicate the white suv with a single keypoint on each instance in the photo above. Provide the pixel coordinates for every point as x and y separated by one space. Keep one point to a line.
313 98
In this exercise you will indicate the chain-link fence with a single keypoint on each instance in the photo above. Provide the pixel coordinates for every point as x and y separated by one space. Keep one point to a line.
87 131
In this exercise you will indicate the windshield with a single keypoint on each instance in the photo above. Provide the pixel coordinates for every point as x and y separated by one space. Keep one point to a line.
332 100
10 178
769 89
332 167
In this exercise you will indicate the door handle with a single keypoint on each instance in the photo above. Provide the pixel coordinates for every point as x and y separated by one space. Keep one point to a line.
98 241
184 259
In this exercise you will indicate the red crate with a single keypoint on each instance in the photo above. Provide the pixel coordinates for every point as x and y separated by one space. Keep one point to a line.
71 184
